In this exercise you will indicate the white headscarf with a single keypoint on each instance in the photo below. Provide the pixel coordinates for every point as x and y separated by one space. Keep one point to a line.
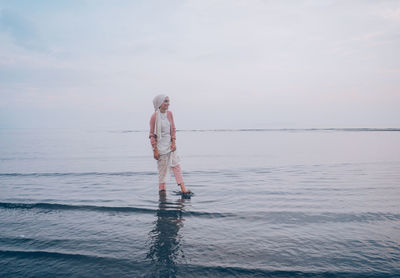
157 101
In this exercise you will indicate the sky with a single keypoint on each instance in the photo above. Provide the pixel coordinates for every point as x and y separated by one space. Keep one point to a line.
223 63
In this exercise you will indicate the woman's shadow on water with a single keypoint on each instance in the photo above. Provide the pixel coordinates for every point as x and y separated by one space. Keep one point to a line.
165 239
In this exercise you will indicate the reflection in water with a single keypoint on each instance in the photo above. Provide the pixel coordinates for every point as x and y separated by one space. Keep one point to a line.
165 240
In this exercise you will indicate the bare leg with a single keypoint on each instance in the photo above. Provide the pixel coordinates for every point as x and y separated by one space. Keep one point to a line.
162 172
161 187
179 178
183 188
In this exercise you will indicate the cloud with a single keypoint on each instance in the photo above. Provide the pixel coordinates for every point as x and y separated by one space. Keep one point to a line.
287 61
20 30
391 14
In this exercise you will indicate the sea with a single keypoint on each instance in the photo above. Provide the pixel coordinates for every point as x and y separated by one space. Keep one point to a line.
267 203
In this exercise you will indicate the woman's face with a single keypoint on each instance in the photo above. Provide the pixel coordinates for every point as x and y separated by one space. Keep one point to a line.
165 104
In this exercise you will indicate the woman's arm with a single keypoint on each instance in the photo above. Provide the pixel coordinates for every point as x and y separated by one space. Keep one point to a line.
153 136
173 145
173 131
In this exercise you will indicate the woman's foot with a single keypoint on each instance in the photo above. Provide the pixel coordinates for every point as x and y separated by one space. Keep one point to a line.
184 190
163 195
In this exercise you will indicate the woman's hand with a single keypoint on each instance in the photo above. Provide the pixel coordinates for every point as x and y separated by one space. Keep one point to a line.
173 146
156 154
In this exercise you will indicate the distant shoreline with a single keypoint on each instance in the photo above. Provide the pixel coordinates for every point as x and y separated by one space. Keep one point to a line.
296 129
357 129
277 129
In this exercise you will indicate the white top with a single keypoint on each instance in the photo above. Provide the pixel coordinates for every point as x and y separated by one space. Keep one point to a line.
164 143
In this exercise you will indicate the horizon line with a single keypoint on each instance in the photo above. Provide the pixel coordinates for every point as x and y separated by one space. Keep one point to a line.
227 129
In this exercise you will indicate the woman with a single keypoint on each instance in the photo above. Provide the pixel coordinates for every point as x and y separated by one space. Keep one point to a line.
162 138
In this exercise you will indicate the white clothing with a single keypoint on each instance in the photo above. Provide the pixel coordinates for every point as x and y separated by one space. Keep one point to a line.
168 158
164 138
164 165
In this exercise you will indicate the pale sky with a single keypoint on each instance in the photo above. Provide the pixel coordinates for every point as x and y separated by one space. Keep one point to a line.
224 63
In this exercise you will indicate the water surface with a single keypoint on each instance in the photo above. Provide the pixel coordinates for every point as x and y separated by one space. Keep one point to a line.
268 203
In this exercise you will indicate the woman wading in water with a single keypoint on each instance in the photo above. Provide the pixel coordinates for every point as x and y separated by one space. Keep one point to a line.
162 138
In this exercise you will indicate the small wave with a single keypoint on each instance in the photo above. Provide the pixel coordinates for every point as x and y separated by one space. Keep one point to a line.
274 217
126 174
231 271
268 217
288 217
130 268
54 206
79 257
165 211
35 254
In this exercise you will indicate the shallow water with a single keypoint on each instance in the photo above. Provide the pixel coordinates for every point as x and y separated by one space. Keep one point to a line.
271 203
